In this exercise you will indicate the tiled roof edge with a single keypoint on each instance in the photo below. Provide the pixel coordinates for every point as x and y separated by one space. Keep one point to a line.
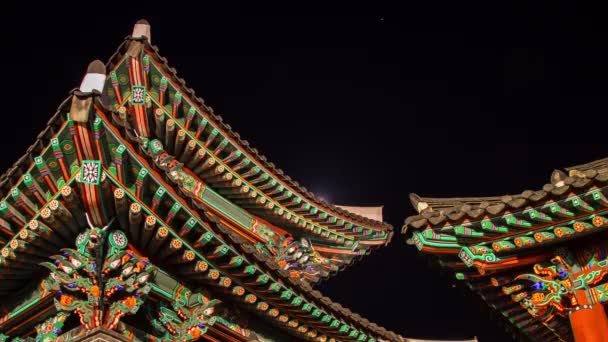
439 210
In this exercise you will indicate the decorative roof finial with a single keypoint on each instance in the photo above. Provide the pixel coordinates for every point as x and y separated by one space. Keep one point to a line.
558 177
95 78
142 29
92 84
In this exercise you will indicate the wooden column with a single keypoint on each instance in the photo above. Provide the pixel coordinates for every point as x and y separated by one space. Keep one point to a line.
589 322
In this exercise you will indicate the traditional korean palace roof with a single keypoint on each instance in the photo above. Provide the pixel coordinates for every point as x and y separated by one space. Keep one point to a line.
186 205
493 243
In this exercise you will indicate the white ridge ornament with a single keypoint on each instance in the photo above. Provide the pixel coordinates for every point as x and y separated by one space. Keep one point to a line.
95 78
142 29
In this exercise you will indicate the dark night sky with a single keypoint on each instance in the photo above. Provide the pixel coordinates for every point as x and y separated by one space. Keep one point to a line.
362 105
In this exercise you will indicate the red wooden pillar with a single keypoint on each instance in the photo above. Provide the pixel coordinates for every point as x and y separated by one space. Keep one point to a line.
589 322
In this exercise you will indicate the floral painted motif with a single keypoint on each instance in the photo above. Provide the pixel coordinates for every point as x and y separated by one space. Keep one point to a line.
186 319
50 329
90 172
85 280
139 94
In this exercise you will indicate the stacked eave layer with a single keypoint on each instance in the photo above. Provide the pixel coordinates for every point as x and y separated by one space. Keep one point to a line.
257 187
293 205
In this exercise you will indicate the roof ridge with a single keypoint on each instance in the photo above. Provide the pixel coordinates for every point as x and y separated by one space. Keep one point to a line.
600 165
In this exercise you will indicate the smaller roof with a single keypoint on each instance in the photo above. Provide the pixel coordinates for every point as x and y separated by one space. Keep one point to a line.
437 211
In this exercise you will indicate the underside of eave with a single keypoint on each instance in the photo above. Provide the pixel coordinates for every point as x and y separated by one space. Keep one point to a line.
13 175
161 62
483 288
303 288
244 144
322 302
191 205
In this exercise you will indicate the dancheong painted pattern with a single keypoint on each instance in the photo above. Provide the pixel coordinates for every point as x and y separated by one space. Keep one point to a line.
140 215
538 258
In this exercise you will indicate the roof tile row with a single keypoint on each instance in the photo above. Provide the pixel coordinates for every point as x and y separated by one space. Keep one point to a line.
439 210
